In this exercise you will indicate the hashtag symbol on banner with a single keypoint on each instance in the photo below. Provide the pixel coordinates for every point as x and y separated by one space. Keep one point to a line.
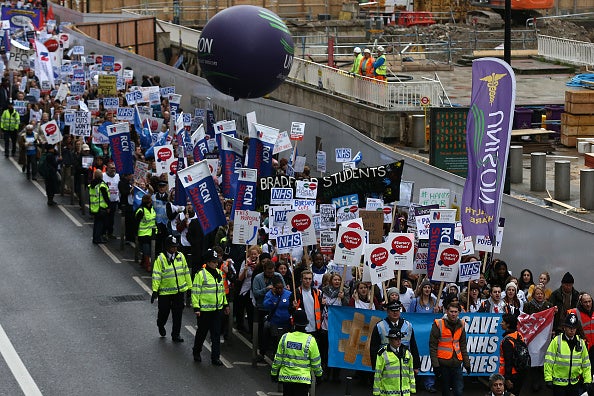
358 330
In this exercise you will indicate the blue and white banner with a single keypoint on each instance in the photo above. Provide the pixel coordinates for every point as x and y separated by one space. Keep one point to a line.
210 121
201 190
259 155
441 230
224 127
231 160
200 144
350 329
245 197
121 147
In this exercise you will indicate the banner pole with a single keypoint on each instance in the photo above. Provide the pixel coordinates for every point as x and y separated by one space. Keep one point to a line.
385 292
344 271
440 291
293 277
468 299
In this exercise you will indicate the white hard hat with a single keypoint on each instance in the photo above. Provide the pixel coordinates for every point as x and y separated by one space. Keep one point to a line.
366 50
380 48
357 50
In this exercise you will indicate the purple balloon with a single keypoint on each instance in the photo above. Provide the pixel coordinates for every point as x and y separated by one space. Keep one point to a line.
245 51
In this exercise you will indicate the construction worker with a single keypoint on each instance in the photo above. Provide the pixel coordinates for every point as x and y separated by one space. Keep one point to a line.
209 302
171 279
566 362
296 356
379 66
394 373
366 67
356 61
447 347
147 229
98 205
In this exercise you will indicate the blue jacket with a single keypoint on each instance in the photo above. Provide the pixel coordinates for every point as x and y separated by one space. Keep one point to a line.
281 316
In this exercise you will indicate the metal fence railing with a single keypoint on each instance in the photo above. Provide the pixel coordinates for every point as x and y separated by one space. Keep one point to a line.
405 96
574 52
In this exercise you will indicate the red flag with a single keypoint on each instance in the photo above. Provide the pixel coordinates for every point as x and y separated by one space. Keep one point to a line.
536 330
50 13
41 21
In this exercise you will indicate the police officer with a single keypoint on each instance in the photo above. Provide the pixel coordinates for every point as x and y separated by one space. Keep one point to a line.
394 373
379 336
296 355
98 205
209 301
171 279
566 361
147 228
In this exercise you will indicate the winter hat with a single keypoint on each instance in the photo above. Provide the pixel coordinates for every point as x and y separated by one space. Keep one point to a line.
392 290
511 284
567 278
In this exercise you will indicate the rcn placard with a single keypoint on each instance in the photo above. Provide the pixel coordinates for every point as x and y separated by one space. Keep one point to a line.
245 197
201 190
121 147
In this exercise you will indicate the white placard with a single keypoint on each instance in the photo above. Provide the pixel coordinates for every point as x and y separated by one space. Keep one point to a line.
281 196
483 243
306 189
302 222
283 143
446 263
287 242
305 205
245 227
378 262
343 154
431 196
327 216
402 249
469 271
164 156
349 246
277 215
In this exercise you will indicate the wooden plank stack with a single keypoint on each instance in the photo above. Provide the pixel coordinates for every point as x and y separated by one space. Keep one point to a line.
578 119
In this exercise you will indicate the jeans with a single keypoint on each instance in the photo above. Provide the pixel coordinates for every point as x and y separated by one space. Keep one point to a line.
451 377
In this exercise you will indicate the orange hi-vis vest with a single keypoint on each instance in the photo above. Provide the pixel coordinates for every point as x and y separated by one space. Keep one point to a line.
587 323
317 310
511 337
448 343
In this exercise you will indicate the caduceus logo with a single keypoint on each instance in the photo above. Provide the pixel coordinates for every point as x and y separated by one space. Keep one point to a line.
492 81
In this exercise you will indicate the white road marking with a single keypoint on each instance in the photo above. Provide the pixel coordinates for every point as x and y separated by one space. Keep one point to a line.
109 253
249 344
249 364
192 330
147 289
72 218
262 393
41 189
14 362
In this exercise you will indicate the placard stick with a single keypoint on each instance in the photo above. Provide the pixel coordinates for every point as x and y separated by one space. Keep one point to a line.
468 300
344 271
385 291
293 276
398 279
484 263
440 291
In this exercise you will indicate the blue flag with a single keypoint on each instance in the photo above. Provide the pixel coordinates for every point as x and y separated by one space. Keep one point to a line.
245 197
200 144
138 194
231 151
260 148
201 190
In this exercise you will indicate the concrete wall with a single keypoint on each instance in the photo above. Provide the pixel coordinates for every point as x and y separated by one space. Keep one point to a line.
535 237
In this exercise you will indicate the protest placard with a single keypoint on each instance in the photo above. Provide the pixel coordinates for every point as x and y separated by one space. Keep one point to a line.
277 215
483 243
305 205
245 227
402 249
342 154
328 216
346 213
297 130
287 242
107 85
281 196
349 246
82 124
446 263
327 241
283 143
302 221
378 262
306 189
321 161
439 196
373 222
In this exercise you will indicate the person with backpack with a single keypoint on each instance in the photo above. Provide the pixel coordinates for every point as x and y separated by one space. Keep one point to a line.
514 359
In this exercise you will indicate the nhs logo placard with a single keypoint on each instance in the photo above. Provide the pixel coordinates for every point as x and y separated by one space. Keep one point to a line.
281 196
